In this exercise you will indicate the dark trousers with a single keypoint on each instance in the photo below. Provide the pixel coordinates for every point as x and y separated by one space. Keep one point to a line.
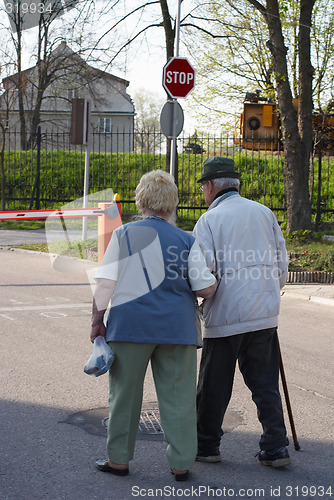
257 354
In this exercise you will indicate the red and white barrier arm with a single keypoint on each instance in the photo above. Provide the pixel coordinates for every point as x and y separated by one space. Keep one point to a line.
52 214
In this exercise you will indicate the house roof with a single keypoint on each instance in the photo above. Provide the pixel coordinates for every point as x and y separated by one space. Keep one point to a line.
65 51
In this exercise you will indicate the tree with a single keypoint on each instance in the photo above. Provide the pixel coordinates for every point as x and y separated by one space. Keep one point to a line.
147 124
322 40
253 50
296 126
50 30
4 124
228 46
4 119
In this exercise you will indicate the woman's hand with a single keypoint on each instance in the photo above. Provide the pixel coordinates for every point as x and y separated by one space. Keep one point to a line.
207 292
97 331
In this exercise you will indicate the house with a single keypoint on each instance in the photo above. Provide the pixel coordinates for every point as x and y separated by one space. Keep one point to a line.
62 77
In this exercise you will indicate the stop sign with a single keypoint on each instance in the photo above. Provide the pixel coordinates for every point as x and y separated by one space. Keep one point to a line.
178 77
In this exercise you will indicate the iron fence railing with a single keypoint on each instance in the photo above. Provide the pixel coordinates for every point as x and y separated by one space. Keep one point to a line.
51 173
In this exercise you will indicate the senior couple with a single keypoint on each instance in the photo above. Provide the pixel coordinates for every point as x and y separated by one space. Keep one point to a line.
150 277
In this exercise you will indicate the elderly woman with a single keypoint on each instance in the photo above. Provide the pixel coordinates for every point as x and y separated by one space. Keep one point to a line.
152 272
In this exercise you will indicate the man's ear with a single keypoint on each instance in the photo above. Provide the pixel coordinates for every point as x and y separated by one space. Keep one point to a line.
210 187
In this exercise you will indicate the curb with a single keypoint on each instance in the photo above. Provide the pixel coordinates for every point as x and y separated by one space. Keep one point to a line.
322 300
310 277
309 298
318 299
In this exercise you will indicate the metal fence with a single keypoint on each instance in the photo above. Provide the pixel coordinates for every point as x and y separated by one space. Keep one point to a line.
51 173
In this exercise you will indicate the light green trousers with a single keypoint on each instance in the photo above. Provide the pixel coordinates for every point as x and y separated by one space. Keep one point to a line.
174 373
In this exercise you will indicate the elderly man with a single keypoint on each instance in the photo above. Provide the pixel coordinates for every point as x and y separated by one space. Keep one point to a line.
244 246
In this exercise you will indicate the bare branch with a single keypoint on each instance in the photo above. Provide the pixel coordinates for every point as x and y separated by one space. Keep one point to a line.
191 25
123 19
132 39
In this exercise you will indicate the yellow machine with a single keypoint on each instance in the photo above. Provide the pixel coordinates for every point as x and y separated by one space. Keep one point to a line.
260 126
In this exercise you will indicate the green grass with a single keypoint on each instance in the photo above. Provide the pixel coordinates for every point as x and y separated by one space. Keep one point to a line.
22 224
77 249
62 176
309 252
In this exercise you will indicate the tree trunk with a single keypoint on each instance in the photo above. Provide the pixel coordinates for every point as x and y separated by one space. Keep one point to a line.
306 71
36 118
169 31
296 148
21 86
170 41
3 173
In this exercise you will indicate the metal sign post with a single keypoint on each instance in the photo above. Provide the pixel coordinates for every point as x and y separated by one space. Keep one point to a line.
173 144
178 79
177 48
86 189
80 135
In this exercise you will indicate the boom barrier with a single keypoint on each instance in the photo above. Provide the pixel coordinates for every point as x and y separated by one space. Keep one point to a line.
52 214
109 219
104 209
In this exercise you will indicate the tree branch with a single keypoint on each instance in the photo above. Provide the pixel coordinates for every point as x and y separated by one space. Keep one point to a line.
123 19
259 7
204 30
132 39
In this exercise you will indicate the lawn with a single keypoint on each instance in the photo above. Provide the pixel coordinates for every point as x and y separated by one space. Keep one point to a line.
308 251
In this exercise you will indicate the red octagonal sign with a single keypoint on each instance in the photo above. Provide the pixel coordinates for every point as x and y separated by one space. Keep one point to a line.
178 77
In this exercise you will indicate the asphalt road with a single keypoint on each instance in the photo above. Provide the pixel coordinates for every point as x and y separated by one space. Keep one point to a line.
50 411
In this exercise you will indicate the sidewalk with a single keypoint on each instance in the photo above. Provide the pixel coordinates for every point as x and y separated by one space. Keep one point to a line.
323 294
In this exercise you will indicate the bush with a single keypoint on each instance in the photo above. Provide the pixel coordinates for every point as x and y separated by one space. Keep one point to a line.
325 261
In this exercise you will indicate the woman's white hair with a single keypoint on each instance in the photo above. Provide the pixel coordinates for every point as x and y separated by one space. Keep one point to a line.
225 183
157 193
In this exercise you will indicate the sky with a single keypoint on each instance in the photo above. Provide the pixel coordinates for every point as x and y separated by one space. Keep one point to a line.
145 72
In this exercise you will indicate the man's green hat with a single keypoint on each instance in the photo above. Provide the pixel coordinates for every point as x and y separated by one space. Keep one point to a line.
218 166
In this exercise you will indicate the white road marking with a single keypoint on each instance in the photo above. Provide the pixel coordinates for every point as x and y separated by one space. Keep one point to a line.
7 317
42 306
54 314
18 301
54 299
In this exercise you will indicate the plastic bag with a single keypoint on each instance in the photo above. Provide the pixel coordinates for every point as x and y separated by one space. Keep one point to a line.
199 329
101 359
199 317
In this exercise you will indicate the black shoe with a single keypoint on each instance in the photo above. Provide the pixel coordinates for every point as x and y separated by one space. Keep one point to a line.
105 467
180 477
209 456
274 458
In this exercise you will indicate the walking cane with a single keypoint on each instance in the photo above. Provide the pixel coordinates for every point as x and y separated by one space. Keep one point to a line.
287 400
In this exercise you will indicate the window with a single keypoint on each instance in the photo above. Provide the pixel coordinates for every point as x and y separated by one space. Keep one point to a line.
71 93
105 125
